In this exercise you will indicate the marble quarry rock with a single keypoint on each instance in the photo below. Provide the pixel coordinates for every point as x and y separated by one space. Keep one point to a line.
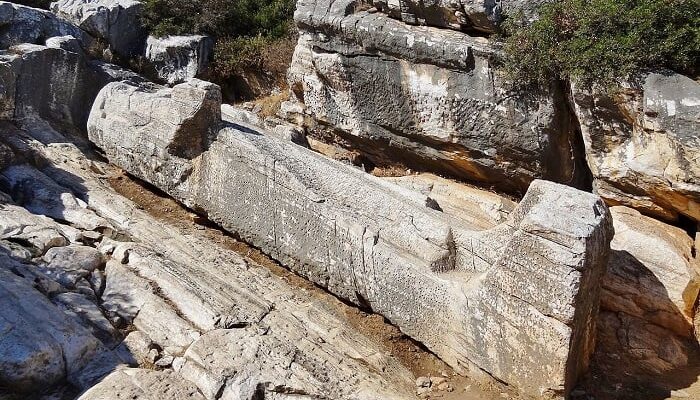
650 292
197 320
52 84
449 112
642 144
518 300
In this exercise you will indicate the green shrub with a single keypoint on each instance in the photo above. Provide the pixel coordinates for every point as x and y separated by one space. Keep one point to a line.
602 41
219 18
244 29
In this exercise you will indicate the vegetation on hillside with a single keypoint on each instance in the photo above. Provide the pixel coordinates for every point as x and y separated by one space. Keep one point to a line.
245 30
602 41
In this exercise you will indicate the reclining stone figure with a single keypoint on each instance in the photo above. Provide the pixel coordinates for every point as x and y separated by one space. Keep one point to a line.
518 301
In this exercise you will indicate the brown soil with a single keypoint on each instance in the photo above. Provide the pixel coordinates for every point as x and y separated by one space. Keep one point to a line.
413 356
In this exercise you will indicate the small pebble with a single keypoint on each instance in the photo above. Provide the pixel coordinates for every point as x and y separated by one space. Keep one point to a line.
152 355
165 362
423 381
445 387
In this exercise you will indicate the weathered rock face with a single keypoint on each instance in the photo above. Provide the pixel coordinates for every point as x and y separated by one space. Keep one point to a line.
134 383
642 144
519 300
20 24
179 58
427 96
210 321
53 84
479 15
52 329
40 345
116 22
476 207
650 292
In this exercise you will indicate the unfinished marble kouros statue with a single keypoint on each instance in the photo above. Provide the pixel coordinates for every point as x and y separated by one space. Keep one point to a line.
518 300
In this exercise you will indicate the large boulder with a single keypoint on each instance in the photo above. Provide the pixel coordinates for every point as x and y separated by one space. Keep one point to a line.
427 97
115 21
21 24
642 144
650 292
53 84
519 300
179 58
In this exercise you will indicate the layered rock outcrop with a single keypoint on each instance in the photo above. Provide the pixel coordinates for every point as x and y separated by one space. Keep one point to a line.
454 287
206 322
427 97
642 143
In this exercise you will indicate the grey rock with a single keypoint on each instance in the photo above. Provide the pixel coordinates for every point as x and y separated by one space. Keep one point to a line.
115 21
134 349
165 361
51 83
22 24
74 257
642 144
97 282
90 315
518 300
133 299
39 346
427 97
54 84
39 233
180 58
136 383
7 156
42 196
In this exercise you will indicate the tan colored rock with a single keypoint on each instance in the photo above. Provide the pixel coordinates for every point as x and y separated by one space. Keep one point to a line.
652 273
649 294
641 144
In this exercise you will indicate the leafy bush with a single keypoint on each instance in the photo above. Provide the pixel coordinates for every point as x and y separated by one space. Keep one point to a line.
602 41
244 29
